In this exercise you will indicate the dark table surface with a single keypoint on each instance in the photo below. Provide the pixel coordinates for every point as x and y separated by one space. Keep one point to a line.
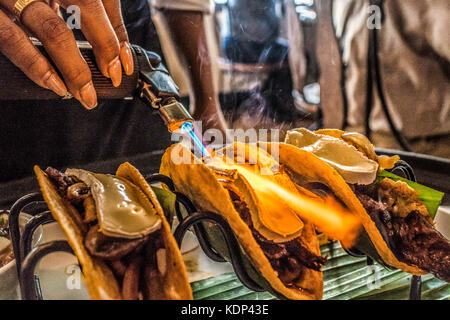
147 163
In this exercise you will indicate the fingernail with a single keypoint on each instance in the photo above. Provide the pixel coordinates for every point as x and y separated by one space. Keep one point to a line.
115 72
127 58
88 96
55 84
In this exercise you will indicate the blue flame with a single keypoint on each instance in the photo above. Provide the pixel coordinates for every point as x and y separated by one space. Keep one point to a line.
188 128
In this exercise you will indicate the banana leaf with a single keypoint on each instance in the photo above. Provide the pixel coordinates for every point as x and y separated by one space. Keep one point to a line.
345 277
432 289
218 242
431 198
167 201
215 237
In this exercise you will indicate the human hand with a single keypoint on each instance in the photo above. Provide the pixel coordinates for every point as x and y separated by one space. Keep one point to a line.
101 24
210 114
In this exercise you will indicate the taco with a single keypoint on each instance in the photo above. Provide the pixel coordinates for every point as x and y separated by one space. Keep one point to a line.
398 225
281 249
118 231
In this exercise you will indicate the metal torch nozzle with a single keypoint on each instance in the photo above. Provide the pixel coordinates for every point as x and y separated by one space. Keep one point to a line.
174 115
172 112
157 88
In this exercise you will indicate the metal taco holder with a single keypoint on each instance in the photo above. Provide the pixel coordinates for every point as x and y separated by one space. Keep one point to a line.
416 288
152 83
28 258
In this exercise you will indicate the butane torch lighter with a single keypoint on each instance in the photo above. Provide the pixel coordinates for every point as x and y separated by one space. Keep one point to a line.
150 82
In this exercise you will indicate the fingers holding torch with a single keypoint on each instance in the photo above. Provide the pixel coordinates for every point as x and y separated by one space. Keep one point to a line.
113 10
102 26
17 47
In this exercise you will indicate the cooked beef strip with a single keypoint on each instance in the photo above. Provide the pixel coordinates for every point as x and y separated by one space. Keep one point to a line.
132 275
118 268
152 286
287 258
154 243
59 179
413 239
109 248
420 244
380 215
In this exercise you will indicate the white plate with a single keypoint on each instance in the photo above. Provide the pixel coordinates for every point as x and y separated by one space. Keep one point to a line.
9 284
442 221
9 287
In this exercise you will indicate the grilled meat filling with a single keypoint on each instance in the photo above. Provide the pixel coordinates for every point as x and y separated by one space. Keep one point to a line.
6 251
412 239
129 260
287 258
109 248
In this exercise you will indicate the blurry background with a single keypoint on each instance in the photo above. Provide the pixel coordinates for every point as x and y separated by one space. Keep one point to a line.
373 66
379 67
248 44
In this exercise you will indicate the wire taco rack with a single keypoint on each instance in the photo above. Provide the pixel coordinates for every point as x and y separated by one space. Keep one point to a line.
27 257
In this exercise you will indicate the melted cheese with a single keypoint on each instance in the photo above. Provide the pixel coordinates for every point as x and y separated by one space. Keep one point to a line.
123 210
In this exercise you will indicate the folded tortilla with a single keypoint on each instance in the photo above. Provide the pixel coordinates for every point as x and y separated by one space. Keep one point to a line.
100 280
304 167
200 183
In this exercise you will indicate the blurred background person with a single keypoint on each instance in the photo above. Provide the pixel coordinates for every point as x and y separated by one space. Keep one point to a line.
182 29
86 132
254 52
394 73
377 67
65 133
